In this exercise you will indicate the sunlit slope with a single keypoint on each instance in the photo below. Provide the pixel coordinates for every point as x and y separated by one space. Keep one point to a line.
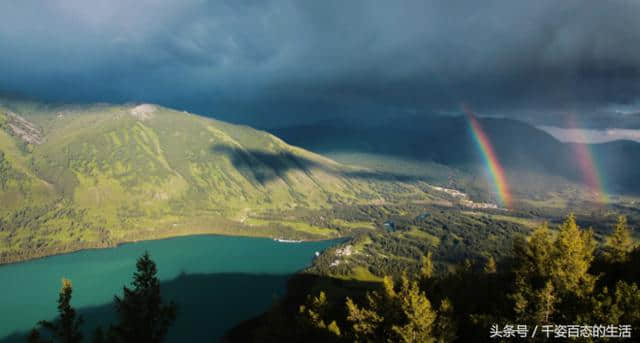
18 182
89 176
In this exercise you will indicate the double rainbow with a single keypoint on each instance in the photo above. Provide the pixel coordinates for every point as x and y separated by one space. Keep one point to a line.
586 161
490 159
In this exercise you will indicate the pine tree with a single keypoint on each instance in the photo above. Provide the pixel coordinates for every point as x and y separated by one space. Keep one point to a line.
602 310
546 300
314 314
427 281
445 324
366 322
620 242
552 279
334 329
66 329
533 258
535 255
426 268
419 317
397 316
490 267
315 311
573 256
627 304
143 316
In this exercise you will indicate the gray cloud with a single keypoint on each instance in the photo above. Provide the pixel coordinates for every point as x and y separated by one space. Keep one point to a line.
259 62
581 135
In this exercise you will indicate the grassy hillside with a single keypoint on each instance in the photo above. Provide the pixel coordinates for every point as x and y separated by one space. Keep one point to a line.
75 177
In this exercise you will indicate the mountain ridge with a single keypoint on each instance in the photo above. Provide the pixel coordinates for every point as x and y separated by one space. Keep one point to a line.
445 141
101 174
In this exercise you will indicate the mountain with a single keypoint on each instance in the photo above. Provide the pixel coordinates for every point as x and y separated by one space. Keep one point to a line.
442 150
443 140
84 176
88 176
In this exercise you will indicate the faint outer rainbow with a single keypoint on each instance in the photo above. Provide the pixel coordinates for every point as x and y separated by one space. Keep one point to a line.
586 161
491 160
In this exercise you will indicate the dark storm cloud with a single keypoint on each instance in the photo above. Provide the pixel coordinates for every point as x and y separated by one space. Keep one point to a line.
258 62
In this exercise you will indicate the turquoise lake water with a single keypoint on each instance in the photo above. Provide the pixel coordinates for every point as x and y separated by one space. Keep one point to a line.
217 281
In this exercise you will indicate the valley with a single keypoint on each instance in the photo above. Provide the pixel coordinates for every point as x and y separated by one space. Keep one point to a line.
319 171
93 176
78 177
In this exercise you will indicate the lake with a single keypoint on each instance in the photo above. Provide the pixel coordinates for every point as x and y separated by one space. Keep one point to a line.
217 281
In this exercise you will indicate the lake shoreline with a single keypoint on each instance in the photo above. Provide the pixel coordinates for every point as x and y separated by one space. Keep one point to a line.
63 250
246 272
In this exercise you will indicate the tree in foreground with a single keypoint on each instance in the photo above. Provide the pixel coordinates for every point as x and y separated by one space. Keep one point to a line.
66 328
404 315
143 316
620 242
313 316
552 279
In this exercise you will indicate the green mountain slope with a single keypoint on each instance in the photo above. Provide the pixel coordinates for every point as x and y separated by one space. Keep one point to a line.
75 177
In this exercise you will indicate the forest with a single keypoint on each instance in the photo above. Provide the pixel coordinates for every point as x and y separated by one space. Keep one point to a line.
556 283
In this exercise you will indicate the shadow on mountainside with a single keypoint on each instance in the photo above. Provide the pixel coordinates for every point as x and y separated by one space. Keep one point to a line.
263 166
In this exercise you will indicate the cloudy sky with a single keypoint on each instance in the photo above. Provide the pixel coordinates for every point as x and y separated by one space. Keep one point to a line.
271 62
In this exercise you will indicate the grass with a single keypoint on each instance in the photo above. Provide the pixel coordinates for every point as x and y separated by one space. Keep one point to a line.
530 223
129 178
526 222
424 236
102 177
361 273
354 224
298 226
553 202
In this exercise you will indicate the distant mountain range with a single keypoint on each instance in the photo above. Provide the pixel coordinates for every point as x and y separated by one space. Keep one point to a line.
86 176
447 143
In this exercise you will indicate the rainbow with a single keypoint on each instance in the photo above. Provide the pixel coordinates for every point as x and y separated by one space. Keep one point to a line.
586 161
491 160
